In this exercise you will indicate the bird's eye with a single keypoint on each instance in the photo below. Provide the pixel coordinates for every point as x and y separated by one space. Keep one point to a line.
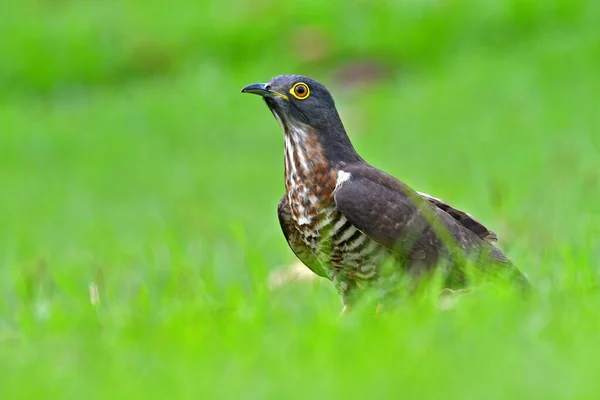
300 91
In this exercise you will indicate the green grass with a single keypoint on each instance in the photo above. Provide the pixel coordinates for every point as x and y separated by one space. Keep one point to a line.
128 159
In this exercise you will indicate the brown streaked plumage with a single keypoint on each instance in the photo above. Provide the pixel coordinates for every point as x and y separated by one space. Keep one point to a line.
343 217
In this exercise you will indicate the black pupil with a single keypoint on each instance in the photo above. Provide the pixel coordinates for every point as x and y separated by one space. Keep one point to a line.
300 89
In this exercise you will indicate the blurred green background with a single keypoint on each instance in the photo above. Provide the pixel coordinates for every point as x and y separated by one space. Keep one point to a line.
129 161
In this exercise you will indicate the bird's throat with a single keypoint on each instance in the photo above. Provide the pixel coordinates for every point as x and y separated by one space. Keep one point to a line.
305 159
309 180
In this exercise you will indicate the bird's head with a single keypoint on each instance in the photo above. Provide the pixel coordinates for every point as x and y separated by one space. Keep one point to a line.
297 101
305 110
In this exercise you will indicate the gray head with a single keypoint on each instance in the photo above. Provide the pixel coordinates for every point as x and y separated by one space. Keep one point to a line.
296 99
299 102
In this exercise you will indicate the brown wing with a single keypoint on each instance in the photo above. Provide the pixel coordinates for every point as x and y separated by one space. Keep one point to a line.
294 240
392 213
463 218
397 217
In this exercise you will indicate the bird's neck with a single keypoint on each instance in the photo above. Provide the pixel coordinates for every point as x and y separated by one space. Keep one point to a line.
304 159
312 160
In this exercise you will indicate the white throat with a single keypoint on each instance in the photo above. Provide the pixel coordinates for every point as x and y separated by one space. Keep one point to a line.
300 160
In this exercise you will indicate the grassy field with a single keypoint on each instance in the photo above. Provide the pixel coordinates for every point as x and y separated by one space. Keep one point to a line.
129 161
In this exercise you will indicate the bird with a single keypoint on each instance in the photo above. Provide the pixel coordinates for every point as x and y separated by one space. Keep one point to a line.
357 225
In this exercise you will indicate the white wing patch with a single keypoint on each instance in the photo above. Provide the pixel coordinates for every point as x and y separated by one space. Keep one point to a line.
342 177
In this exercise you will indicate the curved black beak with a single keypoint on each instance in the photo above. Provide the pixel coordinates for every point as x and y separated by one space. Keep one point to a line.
257 88
262 89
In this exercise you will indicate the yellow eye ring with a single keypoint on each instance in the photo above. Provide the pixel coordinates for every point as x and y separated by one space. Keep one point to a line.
300 91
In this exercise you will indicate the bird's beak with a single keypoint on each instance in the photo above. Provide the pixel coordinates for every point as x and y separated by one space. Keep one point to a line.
261 90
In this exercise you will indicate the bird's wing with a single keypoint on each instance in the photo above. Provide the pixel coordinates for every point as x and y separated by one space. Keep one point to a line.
397 217
463 218
383 212
294 240
411 225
